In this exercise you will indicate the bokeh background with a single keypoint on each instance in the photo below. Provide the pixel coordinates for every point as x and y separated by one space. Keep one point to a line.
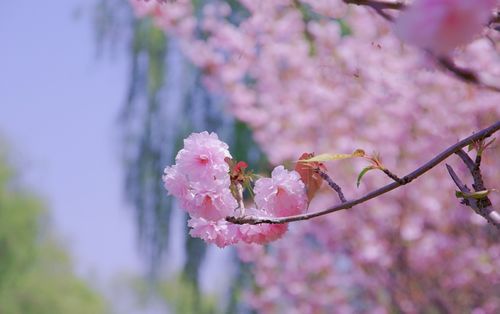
95 102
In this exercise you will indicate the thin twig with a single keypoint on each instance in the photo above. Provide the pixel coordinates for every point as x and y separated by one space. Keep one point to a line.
487 132
478 160
332 184
482 206
466 75
474 170
466 159
461 186
241 204
393 176
463 74
378 5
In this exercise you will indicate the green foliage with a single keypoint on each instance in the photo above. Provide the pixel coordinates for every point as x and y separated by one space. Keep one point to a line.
244 148
362 173
35 273
183 297
477 195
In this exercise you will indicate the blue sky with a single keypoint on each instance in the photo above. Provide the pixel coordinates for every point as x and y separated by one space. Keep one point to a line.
58 109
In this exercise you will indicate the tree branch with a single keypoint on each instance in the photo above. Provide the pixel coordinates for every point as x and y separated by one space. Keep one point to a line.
393 176
463 74
474 170
332 184
482 206
487 132
378 5
466 159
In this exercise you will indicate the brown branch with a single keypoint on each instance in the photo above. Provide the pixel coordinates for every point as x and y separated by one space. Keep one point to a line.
474 170
482 207
378 5
393 176
332 184
487 132
465 75
466 159
478 160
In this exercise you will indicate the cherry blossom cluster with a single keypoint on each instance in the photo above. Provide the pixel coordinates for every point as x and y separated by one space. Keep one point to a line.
347 85
201 182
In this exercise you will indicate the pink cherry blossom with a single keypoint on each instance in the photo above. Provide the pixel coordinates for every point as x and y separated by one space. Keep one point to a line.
200 179
281 195
175 183
263 233
203 157
211 204
220 232
442 25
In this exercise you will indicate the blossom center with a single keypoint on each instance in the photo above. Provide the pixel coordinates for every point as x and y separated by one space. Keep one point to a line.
203 159
280 191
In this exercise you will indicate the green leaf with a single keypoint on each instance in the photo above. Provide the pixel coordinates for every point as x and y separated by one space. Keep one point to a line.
330 157
362 173
476 195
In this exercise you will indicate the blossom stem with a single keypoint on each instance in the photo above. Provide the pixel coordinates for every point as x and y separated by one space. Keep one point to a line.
332 184
393 176
241 204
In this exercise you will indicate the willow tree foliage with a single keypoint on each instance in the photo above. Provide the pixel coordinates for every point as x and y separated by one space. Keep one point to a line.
166 100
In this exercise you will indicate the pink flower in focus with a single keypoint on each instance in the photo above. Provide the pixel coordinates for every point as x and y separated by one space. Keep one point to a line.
202 158
283 194
200 179
221 232
442 25
175 183
212 204
262 233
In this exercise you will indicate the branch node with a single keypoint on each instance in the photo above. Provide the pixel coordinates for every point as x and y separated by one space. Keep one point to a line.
483 206
401 181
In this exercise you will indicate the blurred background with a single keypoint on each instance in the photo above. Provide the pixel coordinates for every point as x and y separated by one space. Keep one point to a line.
94 103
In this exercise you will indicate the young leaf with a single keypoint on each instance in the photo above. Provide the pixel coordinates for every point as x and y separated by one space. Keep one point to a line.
476 195
311 179
362 173
358 153
330 157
